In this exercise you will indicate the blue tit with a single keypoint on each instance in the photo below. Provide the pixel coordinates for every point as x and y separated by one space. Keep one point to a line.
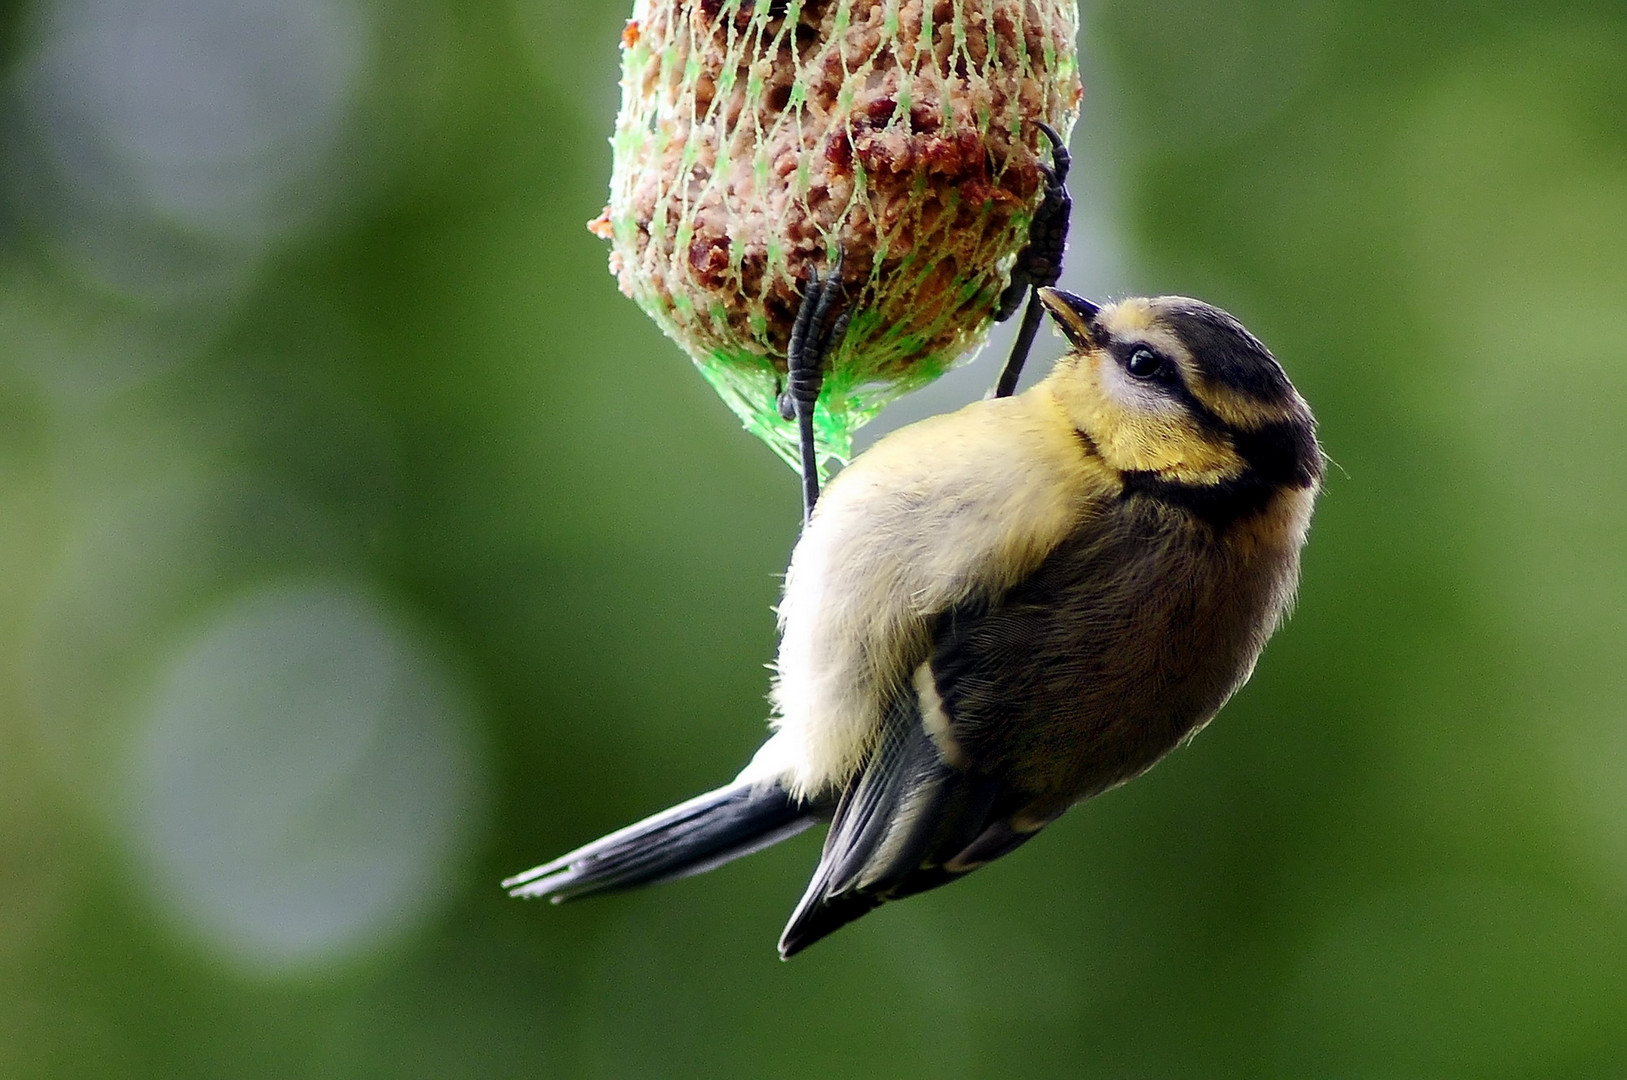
1000 612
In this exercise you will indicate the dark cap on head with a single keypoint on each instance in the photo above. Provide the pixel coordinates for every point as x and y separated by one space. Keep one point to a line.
1230 355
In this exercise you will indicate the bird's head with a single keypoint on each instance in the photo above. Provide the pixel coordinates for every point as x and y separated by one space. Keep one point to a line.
1174 392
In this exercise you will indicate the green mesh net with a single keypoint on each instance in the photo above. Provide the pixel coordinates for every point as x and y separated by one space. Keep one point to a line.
757 136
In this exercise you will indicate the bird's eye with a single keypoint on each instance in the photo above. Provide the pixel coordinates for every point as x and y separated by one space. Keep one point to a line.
1144 364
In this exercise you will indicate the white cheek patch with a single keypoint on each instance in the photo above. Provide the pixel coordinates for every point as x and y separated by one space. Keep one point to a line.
1134 394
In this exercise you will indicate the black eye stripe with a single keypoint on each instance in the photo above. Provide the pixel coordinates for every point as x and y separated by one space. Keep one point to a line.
1148 364
1169 381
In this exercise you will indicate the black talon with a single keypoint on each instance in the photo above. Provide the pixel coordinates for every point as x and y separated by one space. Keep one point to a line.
813 335
1039 263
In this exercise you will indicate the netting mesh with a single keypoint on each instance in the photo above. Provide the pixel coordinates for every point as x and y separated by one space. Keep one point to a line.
755 136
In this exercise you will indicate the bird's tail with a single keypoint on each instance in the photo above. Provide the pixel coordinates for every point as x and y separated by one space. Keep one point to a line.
690 838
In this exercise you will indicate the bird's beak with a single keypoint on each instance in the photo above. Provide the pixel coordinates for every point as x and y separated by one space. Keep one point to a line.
1074 314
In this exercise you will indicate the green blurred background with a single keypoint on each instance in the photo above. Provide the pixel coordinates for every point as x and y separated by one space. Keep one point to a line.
362 545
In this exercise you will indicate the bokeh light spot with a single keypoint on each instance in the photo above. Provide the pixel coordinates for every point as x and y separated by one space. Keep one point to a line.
303 774
163 146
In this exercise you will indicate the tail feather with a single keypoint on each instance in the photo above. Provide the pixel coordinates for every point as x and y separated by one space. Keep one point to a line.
690 838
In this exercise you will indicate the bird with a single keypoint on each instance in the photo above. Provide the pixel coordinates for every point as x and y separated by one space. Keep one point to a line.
997 613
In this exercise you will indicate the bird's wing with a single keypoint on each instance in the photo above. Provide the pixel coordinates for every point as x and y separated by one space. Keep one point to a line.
1022 707
906 814
1089 670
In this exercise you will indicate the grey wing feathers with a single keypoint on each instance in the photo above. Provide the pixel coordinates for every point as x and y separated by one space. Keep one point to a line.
898 826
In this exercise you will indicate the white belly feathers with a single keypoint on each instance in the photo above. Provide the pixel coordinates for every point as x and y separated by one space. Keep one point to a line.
920 523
